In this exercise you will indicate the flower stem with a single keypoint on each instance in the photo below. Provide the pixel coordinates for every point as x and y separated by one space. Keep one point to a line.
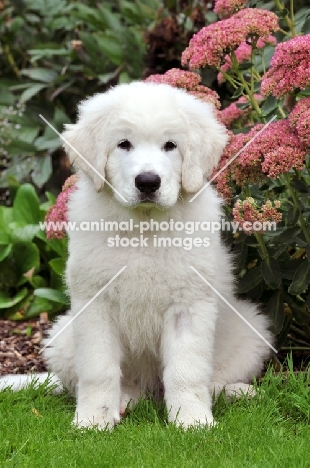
11 60
282 111
251 97
247 88
230 79
289 21
292 11
262 244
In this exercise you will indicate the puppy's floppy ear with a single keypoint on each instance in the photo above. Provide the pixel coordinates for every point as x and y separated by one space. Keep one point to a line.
207 138
85 141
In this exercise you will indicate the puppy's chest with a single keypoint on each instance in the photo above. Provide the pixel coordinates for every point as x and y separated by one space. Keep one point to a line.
139 299
148 283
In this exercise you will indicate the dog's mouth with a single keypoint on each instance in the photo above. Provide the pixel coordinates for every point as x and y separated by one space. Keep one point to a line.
148 201
147 198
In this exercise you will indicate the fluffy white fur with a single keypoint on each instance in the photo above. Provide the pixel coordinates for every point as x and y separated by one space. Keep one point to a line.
158 323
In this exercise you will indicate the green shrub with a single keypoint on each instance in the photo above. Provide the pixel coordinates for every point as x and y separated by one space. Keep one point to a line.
270 177
31 267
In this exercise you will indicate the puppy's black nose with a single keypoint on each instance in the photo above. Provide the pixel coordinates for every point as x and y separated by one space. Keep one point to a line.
147 182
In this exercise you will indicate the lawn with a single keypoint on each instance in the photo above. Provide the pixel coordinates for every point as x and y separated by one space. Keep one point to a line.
270 430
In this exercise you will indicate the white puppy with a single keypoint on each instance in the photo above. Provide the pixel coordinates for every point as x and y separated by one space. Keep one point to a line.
157 321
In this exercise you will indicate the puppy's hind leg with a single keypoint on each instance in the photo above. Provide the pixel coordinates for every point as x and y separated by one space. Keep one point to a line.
59 352
239 352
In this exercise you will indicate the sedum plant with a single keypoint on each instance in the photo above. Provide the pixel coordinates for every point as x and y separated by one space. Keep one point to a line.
263 56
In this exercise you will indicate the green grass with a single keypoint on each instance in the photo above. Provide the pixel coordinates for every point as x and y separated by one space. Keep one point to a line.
270 430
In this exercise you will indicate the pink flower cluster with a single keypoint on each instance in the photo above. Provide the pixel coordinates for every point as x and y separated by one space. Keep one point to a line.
232 112
281 148
299 119
243 53
189 81
290 67
211 44
276 150
247 211
226 8
58 212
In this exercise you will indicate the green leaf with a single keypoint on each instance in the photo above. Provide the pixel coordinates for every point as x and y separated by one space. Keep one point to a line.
27 134
26 256
299 185
17 311
111 47
124 78
251 279
6 301
32 91
26 205
301 279
292 216
269 105
288 235
25 233
6 217
51 198
289 267
5 251
245 66
6 97
58 265
38 305
271 272
41 74
255 293
243 105
111 20
37 281
43 143
42 170
275 310
38 54
52 295
237 92
4 238
283 13
306 26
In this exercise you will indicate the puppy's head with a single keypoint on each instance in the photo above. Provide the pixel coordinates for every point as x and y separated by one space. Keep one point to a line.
148 141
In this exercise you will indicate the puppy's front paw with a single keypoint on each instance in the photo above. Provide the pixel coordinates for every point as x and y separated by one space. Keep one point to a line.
101 418
239 389
195 420
192 414
129 398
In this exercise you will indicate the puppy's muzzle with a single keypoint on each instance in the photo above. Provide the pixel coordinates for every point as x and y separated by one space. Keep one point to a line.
147 182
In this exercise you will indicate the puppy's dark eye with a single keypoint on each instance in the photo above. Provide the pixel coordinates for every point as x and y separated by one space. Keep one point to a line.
125 145
169 146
